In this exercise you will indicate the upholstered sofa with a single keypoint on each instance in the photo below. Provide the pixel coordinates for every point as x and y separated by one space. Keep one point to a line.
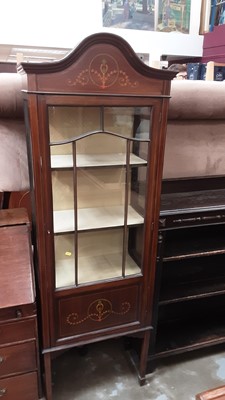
13 154
195 143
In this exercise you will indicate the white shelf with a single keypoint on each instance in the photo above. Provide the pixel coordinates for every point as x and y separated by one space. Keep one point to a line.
95 218
92 269
94 160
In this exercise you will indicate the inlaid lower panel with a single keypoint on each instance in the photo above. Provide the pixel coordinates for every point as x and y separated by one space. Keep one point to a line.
95 311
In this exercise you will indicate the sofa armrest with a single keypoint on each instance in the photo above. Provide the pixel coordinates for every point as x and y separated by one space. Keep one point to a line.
197 100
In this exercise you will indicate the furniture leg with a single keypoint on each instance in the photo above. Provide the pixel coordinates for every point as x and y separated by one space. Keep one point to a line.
48 376
143 358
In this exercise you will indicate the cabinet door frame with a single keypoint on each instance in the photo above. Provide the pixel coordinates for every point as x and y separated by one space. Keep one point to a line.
43 201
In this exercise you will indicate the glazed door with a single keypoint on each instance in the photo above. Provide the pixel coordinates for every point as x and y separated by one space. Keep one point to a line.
99 163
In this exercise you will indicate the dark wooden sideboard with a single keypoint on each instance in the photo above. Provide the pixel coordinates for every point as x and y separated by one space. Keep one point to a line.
189 299
19 358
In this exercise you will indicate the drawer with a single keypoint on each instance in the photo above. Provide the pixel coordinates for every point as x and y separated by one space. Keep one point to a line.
22 387
17 331
95 311
18 312
19 358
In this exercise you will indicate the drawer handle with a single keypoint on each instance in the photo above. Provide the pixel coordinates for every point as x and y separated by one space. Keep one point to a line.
1 359
19 314
2 392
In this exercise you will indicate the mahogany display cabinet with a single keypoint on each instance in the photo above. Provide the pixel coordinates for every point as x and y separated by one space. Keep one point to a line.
96 126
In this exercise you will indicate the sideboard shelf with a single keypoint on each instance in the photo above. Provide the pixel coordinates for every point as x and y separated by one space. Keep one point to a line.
190 283
192 333
189 299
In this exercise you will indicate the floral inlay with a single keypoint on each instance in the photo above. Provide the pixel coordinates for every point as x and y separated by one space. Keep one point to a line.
103 72
98 310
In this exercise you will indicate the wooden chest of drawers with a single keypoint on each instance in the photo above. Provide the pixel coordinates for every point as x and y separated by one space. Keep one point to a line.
19 358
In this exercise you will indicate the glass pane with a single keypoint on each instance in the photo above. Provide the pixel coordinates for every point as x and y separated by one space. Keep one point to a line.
131 122
135 248
98 191
101 255
63 201
105 201
70 122
138 188
64 260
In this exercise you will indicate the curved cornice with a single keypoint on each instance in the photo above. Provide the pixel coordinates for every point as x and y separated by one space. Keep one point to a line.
97 38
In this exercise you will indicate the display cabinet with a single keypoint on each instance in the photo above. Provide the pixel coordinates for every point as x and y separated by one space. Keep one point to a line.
96 125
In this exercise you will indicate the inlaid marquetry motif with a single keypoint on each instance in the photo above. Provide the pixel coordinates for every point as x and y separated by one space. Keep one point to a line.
97 311
104 72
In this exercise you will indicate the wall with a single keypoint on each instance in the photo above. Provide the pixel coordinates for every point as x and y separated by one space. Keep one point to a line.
64 24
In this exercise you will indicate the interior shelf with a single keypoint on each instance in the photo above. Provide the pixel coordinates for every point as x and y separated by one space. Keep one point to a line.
93 268
95 218
94 160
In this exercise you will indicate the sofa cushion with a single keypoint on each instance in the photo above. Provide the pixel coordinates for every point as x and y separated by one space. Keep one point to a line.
11 97
197 100
194 148
13 156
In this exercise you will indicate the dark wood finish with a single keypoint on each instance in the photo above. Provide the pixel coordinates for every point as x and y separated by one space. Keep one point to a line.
21 200
4 199
25 356
212 394
19 359
189 298
9 331
103 71
190 291
13 239
21 387
13 217
92 309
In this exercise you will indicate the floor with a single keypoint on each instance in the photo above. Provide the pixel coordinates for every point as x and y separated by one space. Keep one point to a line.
104 371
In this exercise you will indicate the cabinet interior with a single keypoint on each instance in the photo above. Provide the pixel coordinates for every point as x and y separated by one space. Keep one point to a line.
98 172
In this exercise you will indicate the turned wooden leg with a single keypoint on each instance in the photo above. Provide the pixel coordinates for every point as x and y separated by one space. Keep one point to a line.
48 376
144 358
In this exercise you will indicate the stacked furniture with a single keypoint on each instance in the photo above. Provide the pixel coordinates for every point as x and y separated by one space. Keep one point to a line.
19 354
